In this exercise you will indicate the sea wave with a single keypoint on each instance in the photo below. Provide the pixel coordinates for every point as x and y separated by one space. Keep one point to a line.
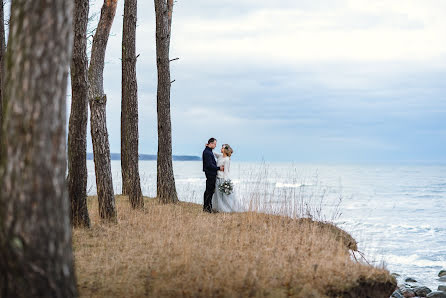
288 185
401 228
413 260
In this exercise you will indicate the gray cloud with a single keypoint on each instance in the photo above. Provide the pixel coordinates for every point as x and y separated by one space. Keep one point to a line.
268 96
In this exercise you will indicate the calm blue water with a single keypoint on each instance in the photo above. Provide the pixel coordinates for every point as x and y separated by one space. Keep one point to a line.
395 212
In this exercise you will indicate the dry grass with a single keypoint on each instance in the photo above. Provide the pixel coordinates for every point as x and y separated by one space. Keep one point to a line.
177 250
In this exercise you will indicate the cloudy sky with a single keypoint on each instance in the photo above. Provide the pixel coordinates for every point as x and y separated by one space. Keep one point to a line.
302 81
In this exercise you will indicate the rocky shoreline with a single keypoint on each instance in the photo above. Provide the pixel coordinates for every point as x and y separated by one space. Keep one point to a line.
411 288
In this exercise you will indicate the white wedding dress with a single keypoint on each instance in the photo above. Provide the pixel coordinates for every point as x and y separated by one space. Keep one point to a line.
221 201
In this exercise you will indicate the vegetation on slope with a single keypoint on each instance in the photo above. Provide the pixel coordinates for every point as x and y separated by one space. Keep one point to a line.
177 250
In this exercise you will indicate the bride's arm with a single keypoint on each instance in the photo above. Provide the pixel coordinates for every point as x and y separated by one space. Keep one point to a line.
217 155
226 171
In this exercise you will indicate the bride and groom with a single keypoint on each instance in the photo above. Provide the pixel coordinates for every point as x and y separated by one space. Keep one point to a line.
218 196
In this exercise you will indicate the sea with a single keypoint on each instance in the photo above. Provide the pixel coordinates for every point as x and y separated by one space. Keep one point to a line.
396 212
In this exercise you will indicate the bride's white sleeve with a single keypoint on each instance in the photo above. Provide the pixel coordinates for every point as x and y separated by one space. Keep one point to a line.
227 164
217 155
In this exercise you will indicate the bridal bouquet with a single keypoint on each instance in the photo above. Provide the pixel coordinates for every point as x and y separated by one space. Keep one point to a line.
226 187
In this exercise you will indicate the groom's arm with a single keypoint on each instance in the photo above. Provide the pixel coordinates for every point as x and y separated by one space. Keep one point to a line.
209 164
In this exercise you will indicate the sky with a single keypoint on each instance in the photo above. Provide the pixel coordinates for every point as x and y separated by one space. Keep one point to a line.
293 81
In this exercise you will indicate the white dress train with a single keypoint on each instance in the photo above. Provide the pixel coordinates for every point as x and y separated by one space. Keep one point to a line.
221 201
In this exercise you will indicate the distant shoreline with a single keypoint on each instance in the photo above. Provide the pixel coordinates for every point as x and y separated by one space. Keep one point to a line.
117 156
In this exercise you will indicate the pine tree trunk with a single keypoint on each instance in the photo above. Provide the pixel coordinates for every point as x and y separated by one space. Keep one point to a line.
124 164
124 100
98 100
129 113
77 135
2 62
35 235
166 191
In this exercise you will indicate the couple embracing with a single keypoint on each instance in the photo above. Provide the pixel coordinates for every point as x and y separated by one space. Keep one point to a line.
219 195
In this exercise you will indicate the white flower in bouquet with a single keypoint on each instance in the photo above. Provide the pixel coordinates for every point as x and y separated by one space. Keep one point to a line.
226 187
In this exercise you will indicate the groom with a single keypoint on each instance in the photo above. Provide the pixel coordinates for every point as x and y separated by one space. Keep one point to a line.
210 169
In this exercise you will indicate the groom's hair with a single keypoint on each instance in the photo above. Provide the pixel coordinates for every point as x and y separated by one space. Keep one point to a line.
211 140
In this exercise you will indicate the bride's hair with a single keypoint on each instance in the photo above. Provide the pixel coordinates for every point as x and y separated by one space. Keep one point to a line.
228 150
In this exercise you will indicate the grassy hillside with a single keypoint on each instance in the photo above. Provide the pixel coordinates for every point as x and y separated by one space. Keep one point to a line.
177 250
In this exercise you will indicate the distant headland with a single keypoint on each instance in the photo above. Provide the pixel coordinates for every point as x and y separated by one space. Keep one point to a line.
117 156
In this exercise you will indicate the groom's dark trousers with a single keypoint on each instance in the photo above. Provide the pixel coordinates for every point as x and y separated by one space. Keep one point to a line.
210 189
210 169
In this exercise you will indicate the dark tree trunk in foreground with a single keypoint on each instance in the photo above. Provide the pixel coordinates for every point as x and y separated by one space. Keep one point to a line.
35 235
77 135
98 100
129 109
166 191
2 61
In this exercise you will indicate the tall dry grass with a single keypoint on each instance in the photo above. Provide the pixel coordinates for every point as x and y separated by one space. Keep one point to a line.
179 251
300 197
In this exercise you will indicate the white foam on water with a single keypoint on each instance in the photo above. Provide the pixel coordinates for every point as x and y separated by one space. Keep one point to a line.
288 185
413 260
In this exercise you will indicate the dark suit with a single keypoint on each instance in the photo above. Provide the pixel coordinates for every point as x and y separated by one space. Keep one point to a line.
210 169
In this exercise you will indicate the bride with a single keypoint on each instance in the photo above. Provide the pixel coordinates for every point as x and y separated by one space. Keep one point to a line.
221 201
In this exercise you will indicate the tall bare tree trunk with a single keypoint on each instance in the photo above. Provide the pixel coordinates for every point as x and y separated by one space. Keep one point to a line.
124 163
2 62
77 135
131 184
35 235
166 191
98 100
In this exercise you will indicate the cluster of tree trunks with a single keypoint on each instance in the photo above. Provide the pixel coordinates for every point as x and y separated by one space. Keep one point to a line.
87 89
166 191
131 184
93 82
35 235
